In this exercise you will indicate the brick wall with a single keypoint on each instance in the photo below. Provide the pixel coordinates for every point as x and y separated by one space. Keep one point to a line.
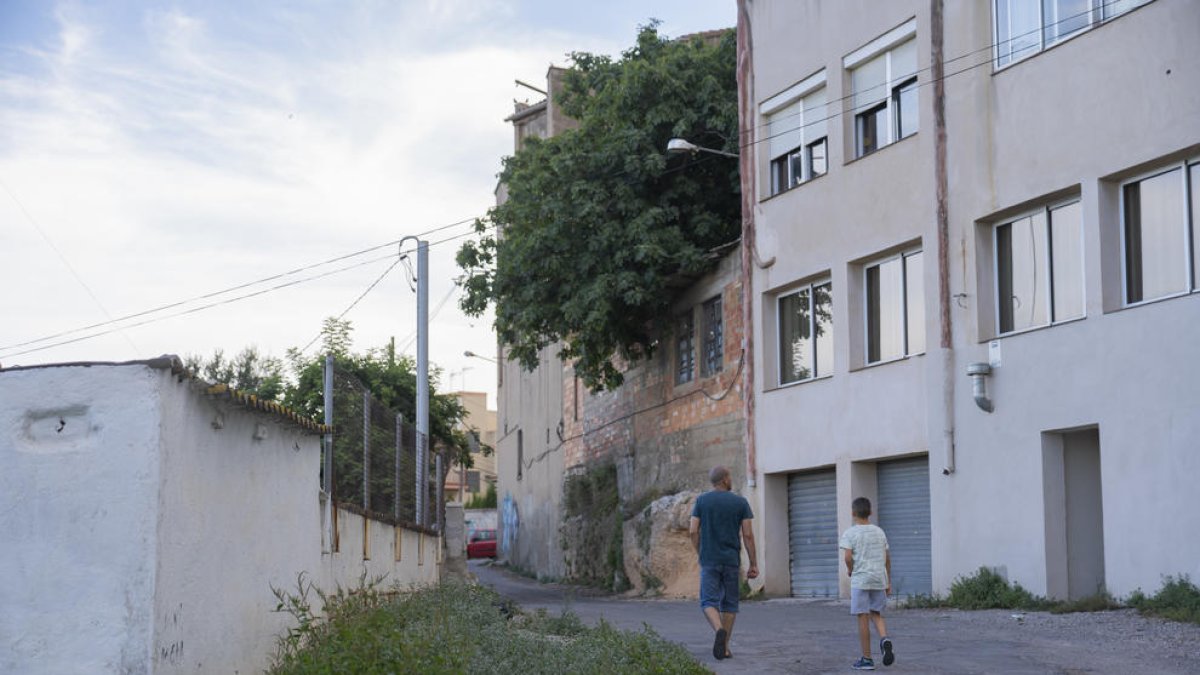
665 437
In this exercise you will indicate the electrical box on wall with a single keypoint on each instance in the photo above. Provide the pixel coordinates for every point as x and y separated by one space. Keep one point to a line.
994 353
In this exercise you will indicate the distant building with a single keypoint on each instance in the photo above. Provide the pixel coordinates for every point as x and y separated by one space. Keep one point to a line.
463 484
983 309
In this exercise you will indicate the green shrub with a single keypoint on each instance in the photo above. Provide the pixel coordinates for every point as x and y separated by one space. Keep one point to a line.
1178 600
1100 602
988 590
457 628
922 601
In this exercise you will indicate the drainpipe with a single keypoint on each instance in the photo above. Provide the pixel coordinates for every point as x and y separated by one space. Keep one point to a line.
938 72
745 81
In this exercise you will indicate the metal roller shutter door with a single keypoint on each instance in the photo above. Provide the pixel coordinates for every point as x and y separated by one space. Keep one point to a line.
903 510
812 533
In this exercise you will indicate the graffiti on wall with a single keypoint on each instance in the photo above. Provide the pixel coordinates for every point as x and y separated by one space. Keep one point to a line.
511 524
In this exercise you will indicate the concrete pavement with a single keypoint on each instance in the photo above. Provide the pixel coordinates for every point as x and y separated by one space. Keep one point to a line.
802 636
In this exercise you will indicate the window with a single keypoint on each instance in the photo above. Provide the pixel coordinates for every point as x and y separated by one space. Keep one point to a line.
798 145
895 307
885 98
685 348
1039 269
713 356
1160 251
806 333
1025 27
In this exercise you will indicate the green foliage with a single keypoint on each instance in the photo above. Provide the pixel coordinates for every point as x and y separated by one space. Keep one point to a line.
988 590
487 500
592 528
248 371
1178 600
1100 602
459 628
599 223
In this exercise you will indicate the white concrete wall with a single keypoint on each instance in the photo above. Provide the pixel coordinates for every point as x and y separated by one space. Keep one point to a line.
1076 119
151 530
78 519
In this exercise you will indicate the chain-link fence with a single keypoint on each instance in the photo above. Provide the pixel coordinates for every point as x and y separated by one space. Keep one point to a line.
376 456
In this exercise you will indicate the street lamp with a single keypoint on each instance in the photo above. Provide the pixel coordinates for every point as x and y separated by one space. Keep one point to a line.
472 355
678 146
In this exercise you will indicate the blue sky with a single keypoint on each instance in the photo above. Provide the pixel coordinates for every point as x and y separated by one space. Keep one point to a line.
156 151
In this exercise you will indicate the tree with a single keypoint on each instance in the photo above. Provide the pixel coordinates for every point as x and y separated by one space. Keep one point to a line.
599 224
249 371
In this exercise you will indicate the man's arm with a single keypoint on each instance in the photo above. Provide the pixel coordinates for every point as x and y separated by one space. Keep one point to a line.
748 542
694 532
848 556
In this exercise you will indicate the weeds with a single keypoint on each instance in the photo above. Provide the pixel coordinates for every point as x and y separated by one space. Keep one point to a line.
988 590
1100 602
1177 600
457 628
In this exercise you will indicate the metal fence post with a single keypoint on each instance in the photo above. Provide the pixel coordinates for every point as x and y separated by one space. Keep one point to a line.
421 483
366 475
441 494
399 451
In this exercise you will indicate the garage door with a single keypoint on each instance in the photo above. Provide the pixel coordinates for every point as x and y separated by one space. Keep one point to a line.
812 530
903 510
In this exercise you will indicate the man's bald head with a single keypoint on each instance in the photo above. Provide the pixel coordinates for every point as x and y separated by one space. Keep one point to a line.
718 475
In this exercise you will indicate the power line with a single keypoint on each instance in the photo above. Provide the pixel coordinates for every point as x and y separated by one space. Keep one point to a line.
356 300
221 302
226 291
65 262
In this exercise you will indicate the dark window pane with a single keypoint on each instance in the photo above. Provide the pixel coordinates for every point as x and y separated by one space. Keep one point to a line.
1195 178
714 337
779 175
868 127
904 101
885 327
817 164
1024 288
685 349
823 325
1004 278
1155 237
795 346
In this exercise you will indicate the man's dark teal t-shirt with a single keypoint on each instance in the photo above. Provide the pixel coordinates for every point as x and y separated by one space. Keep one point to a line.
721 514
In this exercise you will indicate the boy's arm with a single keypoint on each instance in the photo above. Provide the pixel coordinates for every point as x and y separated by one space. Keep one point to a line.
694 532
848 556
748 540
887 565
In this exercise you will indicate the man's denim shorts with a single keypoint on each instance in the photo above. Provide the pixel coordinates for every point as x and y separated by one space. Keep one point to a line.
719 587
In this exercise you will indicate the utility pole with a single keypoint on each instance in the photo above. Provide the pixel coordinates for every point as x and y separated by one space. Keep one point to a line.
422 420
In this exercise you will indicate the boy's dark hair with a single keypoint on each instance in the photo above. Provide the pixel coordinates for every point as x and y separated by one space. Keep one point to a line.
861 507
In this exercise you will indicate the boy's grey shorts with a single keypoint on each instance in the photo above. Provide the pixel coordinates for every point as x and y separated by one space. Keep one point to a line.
863 601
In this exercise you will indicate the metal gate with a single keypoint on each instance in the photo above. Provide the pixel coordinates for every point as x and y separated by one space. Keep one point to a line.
812 534
903 510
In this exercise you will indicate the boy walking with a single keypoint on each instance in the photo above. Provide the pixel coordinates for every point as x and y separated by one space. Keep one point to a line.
865 550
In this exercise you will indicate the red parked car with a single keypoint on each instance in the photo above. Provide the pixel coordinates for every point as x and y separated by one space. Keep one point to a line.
482 544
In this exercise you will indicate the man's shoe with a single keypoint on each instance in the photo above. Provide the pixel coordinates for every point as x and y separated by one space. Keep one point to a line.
885 646
863 663
719 644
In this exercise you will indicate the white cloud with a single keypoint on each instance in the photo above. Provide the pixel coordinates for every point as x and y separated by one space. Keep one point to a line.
181 153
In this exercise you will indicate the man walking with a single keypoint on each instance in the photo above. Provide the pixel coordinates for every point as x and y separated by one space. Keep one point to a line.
720 523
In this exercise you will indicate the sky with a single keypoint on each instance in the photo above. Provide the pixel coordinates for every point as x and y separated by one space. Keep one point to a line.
155 153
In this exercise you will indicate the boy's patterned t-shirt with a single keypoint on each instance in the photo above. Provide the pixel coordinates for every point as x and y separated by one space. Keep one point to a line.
869 546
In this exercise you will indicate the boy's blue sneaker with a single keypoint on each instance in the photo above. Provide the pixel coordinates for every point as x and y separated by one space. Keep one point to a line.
863 663
885 646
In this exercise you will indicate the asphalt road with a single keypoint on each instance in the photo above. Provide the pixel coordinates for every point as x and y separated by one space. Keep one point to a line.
803 636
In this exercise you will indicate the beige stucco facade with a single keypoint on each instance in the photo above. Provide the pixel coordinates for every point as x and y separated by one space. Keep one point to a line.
1076 481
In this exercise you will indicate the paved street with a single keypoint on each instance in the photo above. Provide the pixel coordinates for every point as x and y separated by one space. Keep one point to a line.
796 636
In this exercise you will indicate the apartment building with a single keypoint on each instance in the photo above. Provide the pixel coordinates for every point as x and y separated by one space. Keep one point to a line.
982 308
